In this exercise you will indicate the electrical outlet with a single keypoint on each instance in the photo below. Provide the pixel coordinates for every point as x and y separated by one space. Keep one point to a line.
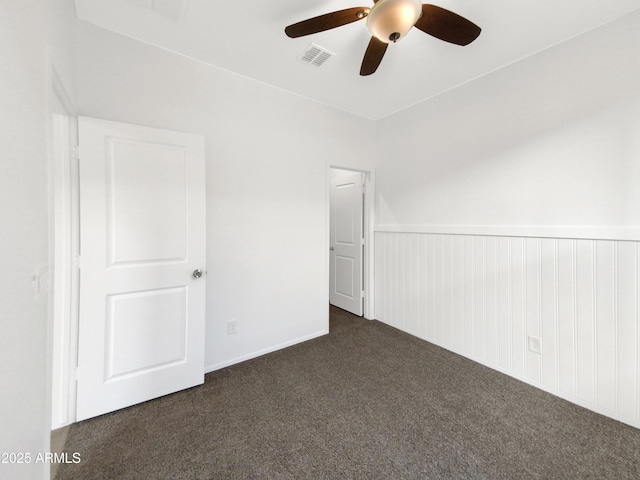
535 344
232 327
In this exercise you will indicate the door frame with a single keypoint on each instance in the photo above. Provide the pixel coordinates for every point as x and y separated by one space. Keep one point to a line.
64 228
368 217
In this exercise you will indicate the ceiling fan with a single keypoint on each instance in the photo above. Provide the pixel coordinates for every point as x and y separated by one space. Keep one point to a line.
389 21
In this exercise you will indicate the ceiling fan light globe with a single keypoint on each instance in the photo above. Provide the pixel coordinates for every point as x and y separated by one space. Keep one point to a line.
390 20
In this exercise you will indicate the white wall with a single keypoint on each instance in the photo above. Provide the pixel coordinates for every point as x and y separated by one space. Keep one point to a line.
268 152
26 27
547 147
551 140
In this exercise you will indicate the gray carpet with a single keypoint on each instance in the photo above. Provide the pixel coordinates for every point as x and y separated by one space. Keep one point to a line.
365 402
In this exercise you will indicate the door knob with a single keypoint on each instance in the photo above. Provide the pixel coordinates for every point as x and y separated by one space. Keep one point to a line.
197 273
331 248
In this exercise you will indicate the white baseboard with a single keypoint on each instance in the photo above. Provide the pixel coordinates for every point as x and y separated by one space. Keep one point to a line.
259 353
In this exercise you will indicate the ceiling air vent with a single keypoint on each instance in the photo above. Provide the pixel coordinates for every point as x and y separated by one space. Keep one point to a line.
171 9
315 55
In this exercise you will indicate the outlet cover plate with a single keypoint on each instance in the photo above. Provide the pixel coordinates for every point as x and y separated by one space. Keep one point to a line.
535 344
232 327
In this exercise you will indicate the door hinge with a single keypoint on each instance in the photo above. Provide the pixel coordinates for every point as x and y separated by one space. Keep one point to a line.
77 261
362 294
75 152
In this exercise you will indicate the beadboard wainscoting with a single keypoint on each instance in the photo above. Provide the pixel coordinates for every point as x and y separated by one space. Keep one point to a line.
500 300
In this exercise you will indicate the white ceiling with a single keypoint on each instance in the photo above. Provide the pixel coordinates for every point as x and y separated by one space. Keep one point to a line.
248 38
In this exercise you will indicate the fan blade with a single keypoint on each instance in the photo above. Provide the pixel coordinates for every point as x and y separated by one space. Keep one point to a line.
373 56
447 26
326 21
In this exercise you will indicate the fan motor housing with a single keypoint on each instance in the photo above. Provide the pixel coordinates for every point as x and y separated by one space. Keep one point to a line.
390 20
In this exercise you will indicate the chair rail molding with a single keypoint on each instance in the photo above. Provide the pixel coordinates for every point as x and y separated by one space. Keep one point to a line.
586 232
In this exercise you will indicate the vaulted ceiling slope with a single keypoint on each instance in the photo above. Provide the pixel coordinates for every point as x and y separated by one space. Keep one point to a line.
248 38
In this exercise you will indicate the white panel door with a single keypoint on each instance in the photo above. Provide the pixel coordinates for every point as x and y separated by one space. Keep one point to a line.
142 236
346 231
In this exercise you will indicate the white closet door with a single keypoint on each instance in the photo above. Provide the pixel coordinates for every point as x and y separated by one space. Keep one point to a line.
346 227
